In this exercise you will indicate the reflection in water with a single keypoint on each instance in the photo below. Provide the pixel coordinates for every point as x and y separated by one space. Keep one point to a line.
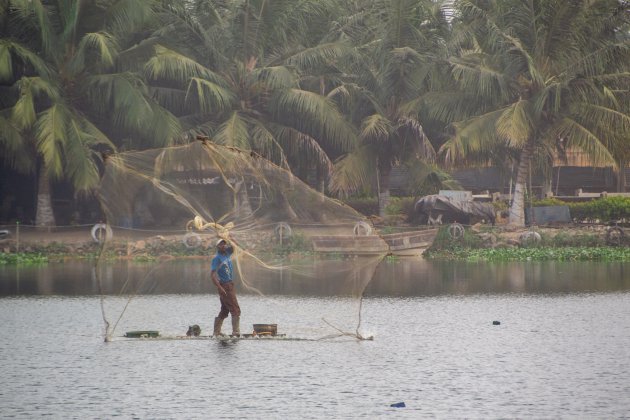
431 278
435 347
401 277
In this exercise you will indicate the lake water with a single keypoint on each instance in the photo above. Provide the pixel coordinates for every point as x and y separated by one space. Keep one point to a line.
562 348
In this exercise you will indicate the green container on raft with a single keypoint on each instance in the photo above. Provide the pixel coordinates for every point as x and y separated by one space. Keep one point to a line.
142 334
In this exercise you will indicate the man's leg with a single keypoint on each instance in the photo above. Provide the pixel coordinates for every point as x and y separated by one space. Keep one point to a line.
218 321
231 304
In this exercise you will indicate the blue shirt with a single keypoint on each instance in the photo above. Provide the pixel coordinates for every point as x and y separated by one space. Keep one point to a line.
222 264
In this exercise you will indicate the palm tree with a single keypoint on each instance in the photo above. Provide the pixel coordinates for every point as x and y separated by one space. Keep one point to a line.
60 63
400 62
531 75
236 75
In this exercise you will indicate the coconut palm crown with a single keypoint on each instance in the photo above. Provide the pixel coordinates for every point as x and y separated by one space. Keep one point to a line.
64 93
532 76
399 62
236 78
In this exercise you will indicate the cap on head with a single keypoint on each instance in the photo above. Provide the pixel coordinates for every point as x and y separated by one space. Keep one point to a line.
221 240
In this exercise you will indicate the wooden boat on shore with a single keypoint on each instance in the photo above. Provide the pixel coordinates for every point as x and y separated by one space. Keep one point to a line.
403 243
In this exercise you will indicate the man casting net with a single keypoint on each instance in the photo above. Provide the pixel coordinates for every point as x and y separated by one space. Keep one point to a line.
202 192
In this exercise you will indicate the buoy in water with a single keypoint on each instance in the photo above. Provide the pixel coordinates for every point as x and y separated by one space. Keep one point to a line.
496 323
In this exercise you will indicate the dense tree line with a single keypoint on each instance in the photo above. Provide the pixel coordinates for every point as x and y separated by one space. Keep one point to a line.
342 89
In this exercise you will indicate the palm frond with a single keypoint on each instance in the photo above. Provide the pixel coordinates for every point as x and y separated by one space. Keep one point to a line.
164 128
8 49
427 178
375 128
190 20
95 48
352 172
515 124
315 114
23 113
403 20
31 90
404 73
548 98
79 167
276 77
34 13
14 148
50 134
171 65
95 137
473 139
475 75
69 13
447 106
173 99
209 96
265 143
234 132
605 59
601 115
121 95
124 16
580 137
321 55
6 63
411 131
297 144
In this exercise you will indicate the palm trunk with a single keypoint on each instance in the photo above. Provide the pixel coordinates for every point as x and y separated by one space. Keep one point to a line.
320 180
548 185
383 188
517 209
621 176
243 206
44 215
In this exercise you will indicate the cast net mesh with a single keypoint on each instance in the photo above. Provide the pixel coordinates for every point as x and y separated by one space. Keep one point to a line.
200 192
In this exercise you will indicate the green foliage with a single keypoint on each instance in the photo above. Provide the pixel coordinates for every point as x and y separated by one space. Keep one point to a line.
296 243
401 205
364 205
518 92
534 254
22 258
609 209
444 242
426 179
565 239
549 202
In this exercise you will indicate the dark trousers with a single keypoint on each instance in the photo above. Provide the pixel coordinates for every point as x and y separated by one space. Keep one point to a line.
229 304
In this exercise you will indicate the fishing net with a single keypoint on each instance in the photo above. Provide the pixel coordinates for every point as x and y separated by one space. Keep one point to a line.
283 233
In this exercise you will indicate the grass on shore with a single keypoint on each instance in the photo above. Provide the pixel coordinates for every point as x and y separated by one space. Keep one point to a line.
543 253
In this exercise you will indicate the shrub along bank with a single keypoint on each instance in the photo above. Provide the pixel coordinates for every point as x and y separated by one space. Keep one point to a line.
568 244
603 210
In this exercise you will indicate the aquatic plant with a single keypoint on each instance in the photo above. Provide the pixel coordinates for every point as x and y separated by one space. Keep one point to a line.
22 258
543 253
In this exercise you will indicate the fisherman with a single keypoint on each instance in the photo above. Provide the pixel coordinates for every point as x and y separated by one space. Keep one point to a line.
222 274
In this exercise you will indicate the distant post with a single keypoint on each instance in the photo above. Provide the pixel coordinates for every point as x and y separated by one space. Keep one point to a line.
17 236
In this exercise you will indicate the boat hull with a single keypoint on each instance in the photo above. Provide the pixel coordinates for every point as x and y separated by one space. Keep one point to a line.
403 243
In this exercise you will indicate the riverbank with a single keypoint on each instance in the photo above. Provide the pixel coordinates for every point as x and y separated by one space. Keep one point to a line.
475 243
565 243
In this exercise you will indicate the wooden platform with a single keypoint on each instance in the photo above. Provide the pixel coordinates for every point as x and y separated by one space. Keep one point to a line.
404 243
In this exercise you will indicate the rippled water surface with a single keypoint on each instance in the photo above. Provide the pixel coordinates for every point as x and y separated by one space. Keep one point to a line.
562 348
